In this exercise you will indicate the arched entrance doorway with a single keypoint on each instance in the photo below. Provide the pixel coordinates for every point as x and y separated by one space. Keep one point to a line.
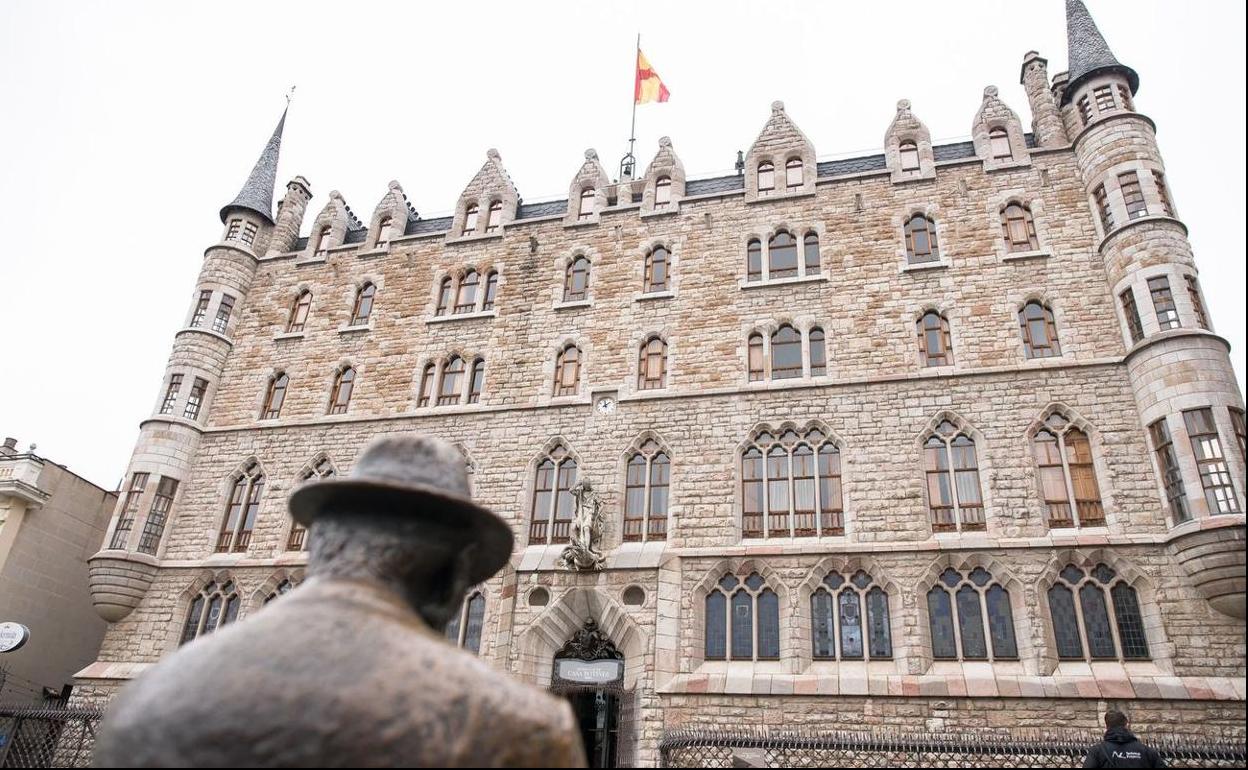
589 672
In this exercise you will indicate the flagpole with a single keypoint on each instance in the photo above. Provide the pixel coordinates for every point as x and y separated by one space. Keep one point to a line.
628 162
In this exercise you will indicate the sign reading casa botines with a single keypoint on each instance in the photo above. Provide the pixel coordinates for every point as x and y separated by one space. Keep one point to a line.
13 636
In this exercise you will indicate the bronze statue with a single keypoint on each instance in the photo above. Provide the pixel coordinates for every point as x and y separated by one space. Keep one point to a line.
350 669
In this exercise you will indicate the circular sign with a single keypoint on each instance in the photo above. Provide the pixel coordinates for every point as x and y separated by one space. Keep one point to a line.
13 636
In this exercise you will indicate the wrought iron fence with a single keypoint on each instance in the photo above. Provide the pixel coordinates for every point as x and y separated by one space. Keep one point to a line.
897 748
47 737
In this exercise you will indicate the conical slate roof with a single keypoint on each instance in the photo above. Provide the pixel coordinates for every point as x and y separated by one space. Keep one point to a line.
257 192
1088 52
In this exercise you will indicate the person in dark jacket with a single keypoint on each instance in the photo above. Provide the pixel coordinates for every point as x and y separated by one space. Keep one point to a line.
1120 748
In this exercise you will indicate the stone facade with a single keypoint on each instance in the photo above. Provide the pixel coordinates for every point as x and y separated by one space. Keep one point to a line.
875 400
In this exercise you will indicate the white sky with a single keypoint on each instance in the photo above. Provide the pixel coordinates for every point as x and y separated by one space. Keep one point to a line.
127 125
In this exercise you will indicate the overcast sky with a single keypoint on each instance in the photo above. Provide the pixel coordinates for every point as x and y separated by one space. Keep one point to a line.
127 125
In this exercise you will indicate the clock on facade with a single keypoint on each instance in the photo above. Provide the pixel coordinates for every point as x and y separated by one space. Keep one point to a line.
605 405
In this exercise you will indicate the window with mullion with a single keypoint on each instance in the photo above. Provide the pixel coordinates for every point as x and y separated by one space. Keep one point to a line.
1095 615
970 617
1067 475
791 486
553 502
129 512
449 386
157 515
240 515
1171 474
951 466
1215 475
647 479
850 619
1163 303
742 620
214 606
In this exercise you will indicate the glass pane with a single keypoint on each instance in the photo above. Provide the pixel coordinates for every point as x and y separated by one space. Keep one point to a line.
1096 622
768 625
786 353
1130 623
821 625
971 624
742 626
716 625
940 622
878 624
1001 623
851 624
476 619
782 255
833 580
1065 623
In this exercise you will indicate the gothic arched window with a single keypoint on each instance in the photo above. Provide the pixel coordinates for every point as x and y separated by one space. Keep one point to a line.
299 312
921 243
553 503
588 197
363 307
652 364
1019 228
791 485
1103 622
810 250
935 347
766 176
466 297
786 353
742 620
464 630
476 381
999 143
662 192
426 385
214 606
340 397
908 152
274 397
281 589
444 296
754 260
849 619
470 219
494 217
449 386
322 241
818 353
793 173
952 469
576 280
646 484
491 290
242 509
960 607
568 371
1039 330
656 270
321 468
757 359
782 256
383 233
1067 475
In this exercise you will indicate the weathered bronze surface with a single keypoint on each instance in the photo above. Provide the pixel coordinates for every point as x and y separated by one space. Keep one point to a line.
347 670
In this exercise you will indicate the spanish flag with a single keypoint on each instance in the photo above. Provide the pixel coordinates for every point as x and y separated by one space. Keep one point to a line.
649 87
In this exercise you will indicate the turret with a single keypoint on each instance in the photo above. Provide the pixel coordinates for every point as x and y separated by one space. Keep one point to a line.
1046 121
169 438
290 213
1179 368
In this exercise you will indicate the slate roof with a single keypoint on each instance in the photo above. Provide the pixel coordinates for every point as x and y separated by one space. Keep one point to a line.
257 192
1087 50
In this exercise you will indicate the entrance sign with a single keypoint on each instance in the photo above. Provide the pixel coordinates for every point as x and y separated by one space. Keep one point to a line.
13 636
593 672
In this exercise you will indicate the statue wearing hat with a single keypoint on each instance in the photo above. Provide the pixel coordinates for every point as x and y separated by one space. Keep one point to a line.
351 669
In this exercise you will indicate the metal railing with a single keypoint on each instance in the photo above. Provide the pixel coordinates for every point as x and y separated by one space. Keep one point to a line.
898 748
47 737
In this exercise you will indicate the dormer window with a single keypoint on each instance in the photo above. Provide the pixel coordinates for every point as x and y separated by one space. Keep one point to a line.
909 153
470 220
663 192
383 232
999 141
322 241
587 204
766 177
793 174
494 218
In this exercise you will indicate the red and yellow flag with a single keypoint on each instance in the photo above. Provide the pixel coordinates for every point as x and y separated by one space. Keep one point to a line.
649 87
